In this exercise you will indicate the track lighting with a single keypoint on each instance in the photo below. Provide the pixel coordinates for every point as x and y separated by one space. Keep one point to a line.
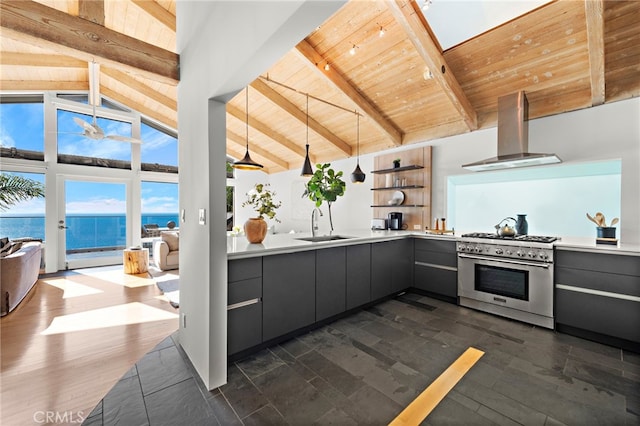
426 4
381 32
327 67
352 51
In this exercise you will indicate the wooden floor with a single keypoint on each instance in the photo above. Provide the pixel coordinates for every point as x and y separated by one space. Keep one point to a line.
72 338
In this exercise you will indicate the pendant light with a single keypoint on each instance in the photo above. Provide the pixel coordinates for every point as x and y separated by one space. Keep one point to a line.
247 163
307 170
358 175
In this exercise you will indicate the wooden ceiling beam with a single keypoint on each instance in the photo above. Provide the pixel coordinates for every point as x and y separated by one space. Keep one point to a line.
239 140
158 12
594 10
267 131
408 15
43 85
91 10
315 61
43 26
142 109
265 90
140 87
40 60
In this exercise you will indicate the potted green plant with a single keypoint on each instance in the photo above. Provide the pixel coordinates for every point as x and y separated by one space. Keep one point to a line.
396 163
325 185
262 201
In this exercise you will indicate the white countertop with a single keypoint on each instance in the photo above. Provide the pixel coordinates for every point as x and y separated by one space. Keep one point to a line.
589 245
238 247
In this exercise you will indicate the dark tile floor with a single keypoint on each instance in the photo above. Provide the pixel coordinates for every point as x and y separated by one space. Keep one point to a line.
365 368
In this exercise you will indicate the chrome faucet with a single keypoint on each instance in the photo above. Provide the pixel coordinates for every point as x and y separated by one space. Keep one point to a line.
315 216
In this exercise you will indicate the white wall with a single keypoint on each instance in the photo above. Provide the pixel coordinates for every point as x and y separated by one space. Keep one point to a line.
223 46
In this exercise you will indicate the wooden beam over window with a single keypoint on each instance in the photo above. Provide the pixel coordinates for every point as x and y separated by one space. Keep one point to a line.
140 87
91 10
282 102
43 26
594 10
43 85
407 13
40 60
314 61
158 12
267 131
142 109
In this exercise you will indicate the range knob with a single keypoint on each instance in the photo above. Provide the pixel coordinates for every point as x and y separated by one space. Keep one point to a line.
531 254
499 251
509 252
543 255
478 249
520 253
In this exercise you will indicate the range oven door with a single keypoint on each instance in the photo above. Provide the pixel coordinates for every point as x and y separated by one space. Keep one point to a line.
511 283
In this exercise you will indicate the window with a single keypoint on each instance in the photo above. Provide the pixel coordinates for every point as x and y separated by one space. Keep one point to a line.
74 148
159 204
26 218
22 127
159 150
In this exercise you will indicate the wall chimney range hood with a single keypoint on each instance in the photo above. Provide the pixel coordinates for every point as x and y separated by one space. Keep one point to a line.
513 138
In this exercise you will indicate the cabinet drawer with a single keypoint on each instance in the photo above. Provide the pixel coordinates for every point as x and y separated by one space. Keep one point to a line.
242 269
241 291
604 315
616 264
437 258
602 281
436 280
436 245
244 328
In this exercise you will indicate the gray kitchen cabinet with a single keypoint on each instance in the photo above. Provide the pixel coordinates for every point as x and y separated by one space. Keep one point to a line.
358 275
597 296
436 268
288 293
331 282
402 277
382 258
244 304
391 267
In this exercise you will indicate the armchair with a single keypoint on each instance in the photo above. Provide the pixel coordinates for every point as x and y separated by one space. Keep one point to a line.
166 251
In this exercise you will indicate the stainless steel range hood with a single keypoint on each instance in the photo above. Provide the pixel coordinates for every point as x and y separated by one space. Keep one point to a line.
513 138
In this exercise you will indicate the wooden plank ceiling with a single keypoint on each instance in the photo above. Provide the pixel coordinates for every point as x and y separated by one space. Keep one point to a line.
566 55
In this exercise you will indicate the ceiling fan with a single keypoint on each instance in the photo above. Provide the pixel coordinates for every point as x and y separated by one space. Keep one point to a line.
92 130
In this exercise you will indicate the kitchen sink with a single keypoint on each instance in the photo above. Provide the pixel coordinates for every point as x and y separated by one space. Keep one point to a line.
324 238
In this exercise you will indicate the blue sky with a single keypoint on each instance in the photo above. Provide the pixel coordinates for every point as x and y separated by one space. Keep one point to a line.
22 126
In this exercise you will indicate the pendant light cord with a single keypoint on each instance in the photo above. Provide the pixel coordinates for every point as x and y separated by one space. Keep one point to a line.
307 119
247 113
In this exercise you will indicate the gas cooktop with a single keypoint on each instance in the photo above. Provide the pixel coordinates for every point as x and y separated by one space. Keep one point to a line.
524 238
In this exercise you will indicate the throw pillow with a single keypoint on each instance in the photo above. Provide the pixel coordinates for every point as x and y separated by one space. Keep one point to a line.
4 242
12 248
172 239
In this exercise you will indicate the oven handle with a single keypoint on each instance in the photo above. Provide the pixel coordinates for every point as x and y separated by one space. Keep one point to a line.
515 262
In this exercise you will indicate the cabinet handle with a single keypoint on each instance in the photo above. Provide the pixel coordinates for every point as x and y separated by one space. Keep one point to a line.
243 304
433 265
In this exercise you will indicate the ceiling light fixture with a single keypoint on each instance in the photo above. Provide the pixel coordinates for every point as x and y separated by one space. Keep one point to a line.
426 4
358 175
247 163
427 75
352 51
327 67
307 170
381 33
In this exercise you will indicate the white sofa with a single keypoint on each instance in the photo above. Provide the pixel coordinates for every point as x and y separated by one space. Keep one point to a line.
18 274
166 251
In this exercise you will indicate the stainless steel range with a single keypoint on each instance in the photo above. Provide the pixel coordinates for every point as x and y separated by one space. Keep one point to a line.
507 276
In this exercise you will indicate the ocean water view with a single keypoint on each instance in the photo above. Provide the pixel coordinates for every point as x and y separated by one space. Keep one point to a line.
84 231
